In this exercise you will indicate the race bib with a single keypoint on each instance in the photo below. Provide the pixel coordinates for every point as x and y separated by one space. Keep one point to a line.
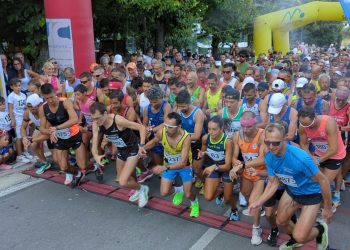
63 134
119 142
321 146
88 119
215 155
249 156
172 159
287 180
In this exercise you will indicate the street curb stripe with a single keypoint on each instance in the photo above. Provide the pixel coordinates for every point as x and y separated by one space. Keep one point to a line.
206 218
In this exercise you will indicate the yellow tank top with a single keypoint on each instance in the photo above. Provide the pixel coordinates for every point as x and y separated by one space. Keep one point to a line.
213 100
173 155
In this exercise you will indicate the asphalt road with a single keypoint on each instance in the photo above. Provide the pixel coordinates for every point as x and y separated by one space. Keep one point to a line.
39 214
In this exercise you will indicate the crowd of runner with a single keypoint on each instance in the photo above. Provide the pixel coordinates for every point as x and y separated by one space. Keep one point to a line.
273 127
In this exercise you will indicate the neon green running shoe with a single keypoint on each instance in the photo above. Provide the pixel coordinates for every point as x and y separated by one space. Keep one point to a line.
323 244
289 245
195 210
177 199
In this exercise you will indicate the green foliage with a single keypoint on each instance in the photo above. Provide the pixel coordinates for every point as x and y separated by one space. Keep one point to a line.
23 21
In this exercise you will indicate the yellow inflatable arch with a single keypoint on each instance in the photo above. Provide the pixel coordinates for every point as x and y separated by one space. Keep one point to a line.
279 23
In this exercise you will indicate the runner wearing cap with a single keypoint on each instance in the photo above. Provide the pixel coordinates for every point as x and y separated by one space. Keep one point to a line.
119 131
297 91
306 187
249 141
118 61
280 110
340 111
31 114
253 103
131 71
231 112
322 131
217 149
177 161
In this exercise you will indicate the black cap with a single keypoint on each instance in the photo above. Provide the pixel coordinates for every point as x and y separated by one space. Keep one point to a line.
263 86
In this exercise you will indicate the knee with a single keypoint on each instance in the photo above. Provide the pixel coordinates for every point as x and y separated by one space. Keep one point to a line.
164 192
281 223
300 237
208 197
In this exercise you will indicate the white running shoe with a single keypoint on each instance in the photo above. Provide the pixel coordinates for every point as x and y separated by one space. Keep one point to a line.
135 196
256 236
68 180
242 200
143 197
28 156
23 159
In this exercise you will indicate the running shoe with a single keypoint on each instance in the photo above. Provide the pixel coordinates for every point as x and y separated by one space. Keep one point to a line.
27 155
289 245
68 180
242 200
104 161
256 236
77 180
322 242
336 199
234 215
22 158
143 197
246 212
198 183
133 195
38 164
144 176
194 209
272 238
178 197
99 174
219 200
44 166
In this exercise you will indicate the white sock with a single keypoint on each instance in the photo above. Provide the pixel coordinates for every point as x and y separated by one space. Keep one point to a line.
194 202
142 188
78 175
256 226
179 189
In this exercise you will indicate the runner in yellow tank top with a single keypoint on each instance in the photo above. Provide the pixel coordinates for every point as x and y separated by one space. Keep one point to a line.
212 96
177 161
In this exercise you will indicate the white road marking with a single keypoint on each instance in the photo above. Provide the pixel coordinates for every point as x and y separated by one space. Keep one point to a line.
19 186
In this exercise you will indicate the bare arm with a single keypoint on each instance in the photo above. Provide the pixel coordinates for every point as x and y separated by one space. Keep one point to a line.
150 144
25 123
325 109
304 144
43 122
263 114
293 118
73 117
228 156
124 123
325 188
198 125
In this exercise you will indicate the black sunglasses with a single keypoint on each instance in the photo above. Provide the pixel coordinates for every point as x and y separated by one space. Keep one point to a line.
274 143
84 82
226 72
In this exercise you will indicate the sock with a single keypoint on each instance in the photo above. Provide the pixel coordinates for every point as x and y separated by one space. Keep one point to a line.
179 189
194 201
142 188
256 226
320 232
78 175
337 194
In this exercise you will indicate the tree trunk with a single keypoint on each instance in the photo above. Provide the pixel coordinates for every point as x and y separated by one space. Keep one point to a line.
214 45
160 35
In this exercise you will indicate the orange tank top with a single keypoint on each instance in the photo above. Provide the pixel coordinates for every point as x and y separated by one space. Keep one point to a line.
319 139
250 151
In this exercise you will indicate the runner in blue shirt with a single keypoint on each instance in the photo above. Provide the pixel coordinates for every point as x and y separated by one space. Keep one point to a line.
306 187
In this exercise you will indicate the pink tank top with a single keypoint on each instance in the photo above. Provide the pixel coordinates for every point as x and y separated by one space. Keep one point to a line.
319 139
54 82
85 110
339 115
92 95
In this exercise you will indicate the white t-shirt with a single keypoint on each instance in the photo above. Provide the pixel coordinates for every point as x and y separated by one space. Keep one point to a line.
19 103
5 121
127 83
144 102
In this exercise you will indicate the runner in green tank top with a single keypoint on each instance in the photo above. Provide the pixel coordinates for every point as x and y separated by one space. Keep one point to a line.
212 96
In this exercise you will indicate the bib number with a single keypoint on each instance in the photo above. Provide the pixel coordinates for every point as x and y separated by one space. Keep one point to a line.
88 119
287 180
172 159
216 155
63 134
321 146
249 156
119 142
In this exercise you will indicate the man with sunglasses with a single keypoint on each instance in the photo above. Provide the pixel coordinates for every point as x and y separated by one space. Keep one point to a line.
227 76
177 161
93 92
242 66
323 133
310 99
306 188
249 141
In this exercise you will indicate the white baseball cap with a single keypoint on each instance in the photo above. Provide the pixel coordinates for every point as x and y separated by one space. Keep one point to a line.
276 103
278 84
34 100
118 58
301 82
248 79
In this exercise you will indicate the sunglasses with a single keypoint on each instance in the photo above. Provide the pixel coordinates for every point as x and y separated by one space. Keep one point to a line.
273 143
54 62
97 76
226 72
84 82
170 126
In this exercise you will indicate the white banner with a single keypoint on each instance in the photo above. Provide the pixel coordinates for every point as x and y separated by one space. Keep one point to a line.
59 36
3 84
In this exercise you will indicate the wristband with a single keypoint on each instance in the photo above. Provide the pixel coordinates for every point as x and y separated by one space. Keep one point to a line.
167 168
141 145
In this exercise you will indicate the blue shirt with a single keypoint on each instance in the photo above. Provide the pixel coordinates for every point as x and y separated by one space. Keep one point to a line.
294 169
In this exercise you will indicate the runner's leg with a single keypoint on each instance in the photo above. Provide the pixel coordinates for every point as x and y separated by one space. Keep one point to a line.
286 208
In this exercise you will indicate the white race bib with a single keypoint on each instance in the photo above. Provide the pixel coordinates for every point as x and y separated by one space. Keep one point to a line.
172 159
88 119
116 141
321 146
215 155
63 134
249 156
287 179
